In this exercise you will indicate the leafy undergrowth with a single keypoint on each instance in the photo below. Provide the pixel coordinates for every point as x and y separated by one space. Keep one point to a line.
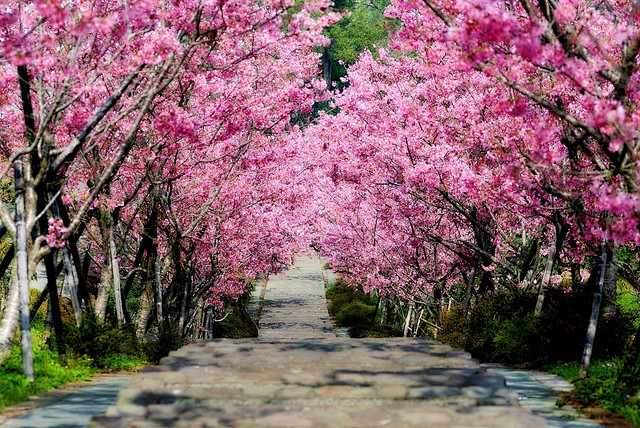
503 328
351 307
598 390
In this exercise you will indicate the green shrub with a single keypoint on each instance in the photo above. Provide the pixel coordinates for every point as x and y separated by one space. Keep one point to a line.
599 387
356 312
166 341
49 372
368 330
237 325
502 328
111 348
341 295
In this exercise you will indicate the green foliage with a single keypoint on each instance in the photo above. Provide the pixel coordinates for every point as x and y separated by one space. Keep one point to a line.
356 312
377 331
364 28
167 340
109 347
502 328
349 305
237 325
629 301
599 387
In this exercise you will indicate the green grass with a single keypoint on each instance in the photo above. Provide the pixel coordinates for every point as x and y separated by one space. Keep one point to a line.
49 373
598 388
91 348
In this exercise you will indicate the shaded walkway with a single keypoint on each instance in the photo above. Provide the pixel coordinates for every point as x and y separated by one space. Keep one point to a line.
297 373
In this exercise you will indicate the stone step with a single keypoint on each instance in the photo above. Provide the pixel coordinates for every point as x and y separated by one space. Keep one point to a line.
318 382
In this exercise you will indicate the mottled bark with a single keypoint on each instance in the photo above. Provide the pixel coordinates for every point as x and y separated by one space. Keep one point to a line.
22 268
145 306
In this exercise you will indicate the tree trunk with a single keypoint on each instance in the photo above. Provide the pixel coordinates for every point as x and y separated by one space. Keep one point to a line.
72 285
22 267
407 321
106 270
595 312
184 305
326 67
81 268
158 293
9 323
609 287
546 278
54 308
576 280
469 291
117 287
145 305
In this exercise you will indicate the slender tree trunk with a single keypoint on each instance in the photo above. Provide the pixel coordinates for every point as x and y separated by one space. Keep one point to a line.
54 308
72 285
9 324
6 261
158 293
326 67
576 280
145 308
22 266
384 315
546 277
184 305
106 270
469 291
149 292
117 287
48 323
595 312
609 288
407 321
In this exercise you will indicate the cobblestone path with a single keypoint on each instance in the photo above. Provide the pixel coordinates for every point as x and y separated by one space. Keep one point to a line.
298 374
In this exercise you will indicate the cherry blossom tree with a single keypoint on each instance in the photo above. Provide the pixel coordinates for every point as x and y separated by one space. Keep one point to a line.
89 89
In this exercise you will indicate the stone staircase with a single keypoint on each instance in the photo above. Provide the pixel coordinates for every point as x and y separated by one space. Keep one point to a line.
298 374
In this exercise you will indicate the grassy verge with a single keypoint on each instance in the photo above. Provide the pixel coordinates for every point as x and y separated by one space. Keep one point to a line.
598 389
49 372
91 348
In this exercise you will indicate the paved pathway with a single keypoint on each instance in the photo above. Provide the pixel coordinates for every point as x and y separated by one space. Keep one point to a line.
297 373
294 304
538 392
74 409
